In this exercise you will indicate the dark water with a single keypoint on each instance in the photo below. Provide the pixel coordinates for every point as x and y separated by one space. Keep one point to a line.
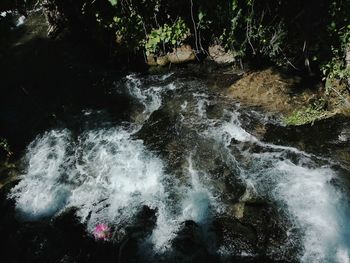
175 170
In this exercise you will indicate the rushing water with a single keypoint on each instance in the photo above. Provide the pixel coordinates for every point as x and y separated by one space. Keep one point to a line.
190 155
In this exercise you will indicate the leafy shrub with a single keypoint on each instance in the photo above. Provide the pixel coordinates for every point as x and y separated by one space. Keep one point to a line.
298 33
167 37
337 67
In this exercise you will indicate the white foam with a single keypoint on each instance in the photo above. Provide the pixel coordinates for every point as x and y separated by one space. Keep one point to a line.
202 103
41 191
344 135
166 228
196 204
106 176
342 255
118 175
318 208
229 130
150 97
20 21
184 105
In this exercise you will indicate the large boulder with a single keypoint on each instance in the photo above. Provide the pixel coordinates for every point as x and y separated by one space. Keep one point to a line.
163 60
218 54
151 60
182 54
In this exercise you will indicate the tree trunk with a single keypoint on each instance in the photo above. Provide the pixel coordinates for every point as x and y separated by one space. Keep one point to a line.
347 60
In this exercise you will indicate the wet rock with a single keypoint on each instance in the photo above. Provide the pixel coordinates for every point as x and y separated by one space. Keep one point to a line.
228 185
143 224
255 231
238 210
62 239
224 178
249 197
162 126
271 231
190 246
8 226
56 20
328 137
131 245
214 111
237 237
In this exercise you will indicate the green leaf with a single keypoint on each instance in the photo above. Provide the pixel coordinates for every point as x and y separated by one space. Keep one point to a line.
200 16
113 2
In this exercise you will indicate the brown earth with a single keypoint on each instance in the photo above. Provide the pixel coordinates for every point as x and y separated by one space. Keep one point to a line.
277 92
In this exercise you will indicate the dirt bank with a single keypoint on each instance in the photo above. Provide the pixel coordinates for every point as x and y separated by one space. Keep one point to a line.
299 100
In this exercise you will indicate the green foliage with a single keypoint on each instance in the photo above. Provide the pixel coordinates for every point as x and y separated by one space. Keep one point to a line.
167 37
298 33
128 30
125 24
113 2
315 111
336 68
249 33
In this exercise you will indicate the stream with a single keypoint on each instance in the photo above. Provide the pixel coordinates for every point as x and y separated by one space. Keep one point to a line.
189 176
170 167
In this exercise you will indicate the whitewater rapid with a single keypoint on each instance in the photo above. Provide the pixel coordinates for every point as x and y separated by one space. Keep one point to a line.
108 175
305 190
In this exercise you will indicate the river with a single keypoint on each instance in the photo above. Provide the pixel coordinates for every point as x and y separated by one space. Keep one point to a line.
190 176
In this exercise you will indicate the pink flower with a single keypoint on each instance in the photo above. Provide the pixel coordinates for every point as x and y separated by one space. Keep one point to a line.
102 232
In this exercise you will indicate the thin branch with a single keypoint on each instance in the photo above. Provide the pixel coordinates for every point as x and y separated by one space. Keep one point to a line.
288 62
341 96
249 30
194 26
